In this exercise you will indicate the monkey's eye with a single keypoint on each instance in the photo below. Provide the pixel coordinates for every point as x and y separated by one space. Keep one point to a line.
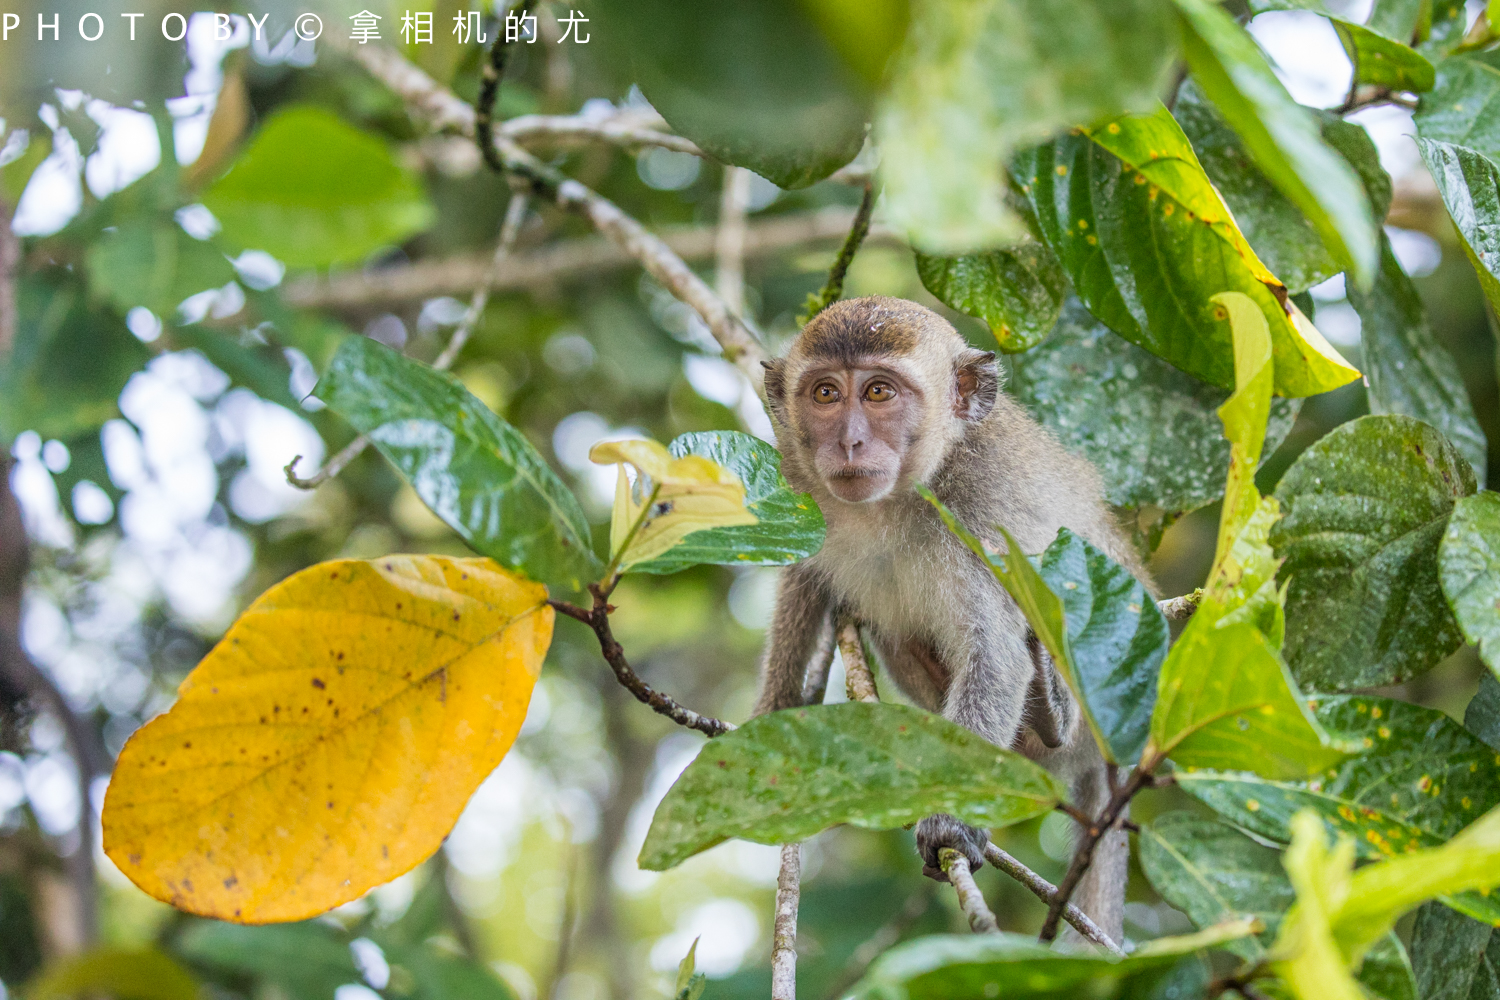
879 392
825 393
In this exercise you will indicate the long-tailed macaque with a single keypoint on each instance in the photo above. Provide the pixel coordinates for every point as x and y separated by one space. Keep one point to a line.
877 394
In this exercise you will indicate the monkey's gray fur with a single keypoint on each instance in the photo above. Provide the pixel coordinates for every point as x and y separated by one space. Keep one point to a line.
947 633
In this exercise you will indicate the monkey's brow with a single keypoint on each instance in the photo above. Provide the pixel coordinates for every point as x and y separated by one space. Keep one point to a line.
875 369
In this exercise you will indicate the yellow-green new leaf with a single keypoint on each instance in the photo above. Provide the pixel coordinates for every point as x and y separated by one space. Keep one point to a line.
1244 415
1307 956
1227 701
330 740
121 973
670 499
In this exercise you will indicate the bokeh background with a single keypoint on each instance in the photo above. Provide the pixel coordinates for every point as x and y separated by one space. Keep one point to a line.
155 511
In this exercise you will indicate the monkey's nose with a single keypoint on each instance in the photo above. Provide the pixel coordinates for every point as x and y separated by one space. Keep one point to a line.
850 447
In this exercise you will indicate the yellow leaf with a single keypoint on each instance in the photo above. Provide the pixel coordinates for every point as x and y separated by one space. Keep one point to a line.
670 499
330 740
1306 955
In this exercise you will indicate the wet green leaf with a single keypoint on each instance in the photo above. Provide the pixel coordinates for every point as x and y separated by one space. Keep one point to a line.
1018 291
784 776
1281 235
1227 701
69 362
1213 872
1379 59
1152 431
1461 109
790 524
1482 717
1420 779
1455 957
1281 136
977 966
1469 182
1100 625
312 191
305 959
754 83
977 81
1409 372
153 263
474 470
1469 567
1148 243
1365 509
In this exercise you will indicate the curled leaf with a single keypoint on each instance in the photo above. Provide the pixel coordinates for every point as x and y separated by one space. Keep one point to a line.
670 499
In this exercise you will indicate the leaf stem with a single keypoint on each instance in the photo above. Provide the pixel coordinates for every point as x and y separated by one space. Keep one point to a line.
597 618
611 576
833 288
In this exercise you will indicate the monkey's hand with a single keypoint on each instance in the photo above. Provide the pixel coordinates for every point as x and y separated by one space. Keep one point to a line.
942 830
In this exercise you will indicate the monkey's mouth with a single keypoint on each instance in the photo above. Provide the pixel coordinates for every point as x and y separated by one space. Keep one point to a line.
857 472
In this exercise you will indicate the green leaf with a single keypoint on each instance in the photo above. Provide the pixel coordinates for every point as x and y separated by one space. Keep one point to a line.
312 191
791 525
1460 109
1244 415
1213 872
1482 717
1469 568
16 174
690 983
1366 507
69 362
1226 700
1307 953
1419 780
959 967
125 974
1151 430
1018 291
979 80
1379 59
1409 372
1387 972
1116 640
477 472
1469 183
438 975
752 82
1120 632
1282 236
1280 136
153 263
1455 957
784 776
306 958
1148 243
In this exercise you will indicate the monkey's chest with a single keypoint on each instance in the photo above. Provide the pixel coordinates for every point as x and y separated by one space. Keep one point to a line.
900 585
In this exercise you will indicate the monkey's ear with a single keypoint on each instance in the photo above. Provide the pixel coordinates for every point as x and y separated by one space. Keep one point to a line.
977 380
775 380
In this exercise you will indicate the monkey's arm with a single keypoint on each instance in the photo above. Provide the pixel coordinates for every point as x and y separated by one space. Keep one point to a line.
802 607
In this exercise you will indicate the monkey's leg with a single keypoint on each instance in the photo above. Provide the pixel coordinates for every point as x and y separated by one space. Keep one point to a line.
1101 893
988 696
802 605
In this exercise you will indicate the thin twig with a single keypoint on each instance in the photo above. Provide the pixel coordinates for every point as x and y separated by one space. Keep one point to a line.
1083 854
491 74
443 109
620 130
515 214
1045 891
597 618
1180 608
970 899
1361 97
833 288
887 935
729 247
859 683
579 259
784 935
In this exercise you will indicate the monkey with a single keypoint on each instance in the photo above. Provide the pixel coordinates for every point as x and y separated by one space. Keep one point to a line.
873 396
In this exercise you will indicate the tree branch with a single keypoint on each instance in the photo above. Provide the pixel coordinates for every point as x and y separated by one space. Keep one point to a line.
859 683
1083 854
625 128
833 288
1179 609
970 899
729 241
597 618
582 258
1046 891
784 934
443 109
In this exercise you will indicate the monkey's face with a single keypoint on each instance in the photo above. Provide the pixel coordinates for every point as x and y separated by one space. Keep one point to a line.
857 423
